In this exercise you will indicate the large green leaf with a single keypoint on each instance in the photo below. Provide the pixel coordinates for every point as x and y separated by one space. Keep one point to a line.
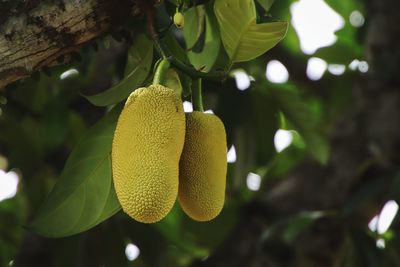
242 37
174 47
194 25
205 59
138 66
84 194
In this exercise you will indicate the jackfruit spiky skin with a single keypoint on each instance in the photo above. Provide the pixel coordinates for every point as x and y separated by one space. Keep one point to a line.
203 167
147 145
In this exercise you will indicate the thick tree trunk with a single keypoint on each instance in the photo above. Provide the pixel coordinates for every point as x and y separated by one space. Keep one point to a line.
37 33
365 145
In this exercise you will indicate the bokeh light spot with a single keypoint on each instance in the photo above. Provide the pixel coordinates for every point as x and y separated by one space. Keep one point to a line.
253 181
276 72
8 184
242 79
336 69
315 23
69 74
356 19
187 106
316 68
132 252
231 155
282 139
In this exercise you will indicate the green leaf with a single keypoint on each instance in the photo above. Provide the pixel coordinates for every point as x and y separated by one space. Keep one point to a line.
299 223
305 122
242 37
111 207
205 60
265 122
194 25
138 66
266 4
174 48
84 194
173 229
186 83
292 226
254 138
173 81
342 52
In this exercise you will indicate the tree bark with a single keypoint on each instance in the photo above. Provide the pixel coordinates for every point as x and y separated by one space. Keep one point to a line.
37 33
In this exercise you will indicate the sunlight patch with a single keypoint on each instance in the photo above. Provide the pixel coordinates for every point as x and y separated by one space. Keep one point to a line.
187 106
316 68
8 184
231 155
363 67
69 73
132 252
253 181
243 80
336 69
380 243
356 19
282 139
381 223
315 23
276 72
387 216
360 65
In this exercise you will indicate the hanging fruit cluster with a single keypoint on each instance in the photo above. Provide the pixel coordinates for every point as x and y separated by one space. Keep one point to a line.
159 154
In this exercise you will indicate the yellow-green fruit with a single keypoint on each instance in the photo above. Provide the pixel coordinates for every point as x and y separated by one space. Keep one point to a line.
179 20
147 145
202 167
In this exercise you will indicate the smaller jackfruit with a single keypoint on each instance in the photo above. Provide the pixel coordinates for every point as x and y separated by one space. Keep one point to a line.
203 167
179 20
147 145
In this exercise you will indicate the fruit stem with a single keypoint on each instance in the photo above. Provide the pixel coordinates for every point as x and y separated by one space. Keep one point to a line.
160 75
164 51
197 98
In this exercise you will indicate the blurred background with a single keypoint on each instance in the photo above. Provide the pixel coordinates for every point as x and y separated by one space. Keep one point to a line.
313 134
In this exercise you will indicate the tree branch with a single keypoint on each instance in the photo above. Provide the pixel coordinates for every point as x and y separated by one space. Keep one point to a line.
37 34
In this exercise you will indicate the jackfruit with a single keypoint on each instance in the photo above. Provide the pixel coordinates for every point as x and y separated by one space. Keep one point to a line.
146 148
203 167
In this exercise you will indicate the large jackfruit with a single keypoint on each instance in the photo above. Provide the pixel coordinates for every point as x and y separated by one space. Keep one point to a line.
147 145
203 167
